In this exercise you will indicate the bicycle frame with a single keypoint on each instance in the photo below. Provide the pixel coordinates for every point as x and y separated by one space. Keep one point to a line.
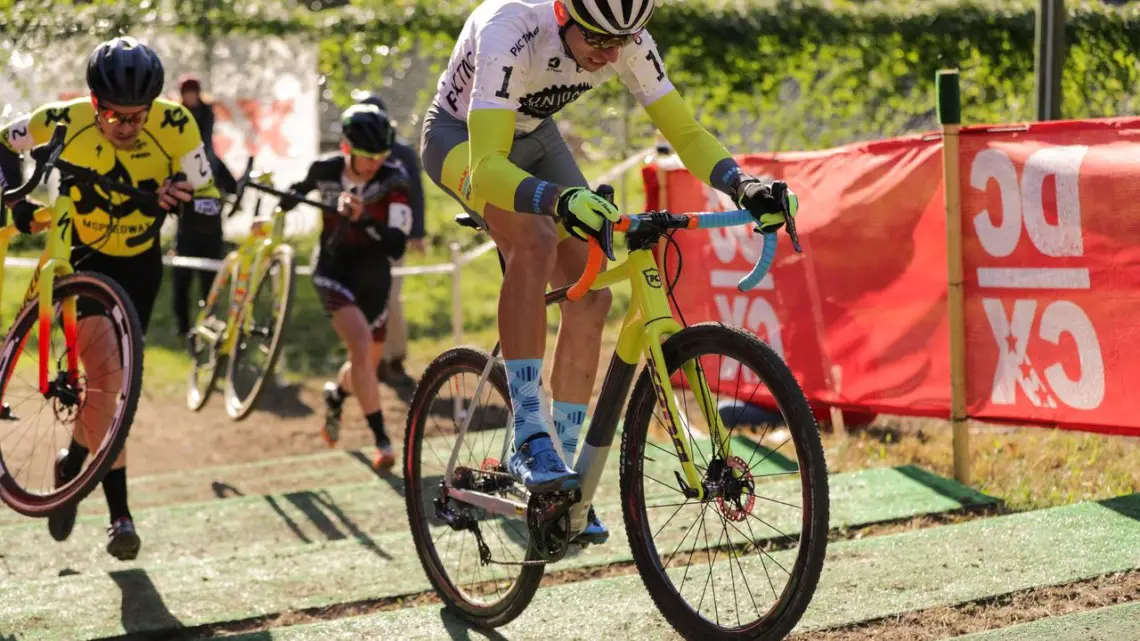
264 237
648 322
54 261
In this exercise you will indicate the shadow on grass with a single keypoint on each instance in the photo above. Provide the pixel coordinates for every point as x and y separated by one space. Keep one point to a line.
328 517
461 630
1128 506
143 609
949 488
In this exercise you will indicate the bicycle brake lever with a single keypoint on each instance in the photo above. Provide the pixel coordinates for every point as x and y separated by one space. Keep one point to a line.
606 239
791 223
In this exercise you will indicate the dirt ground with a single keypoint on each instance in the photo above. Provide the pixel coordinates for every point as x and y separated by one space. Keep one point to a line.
166 436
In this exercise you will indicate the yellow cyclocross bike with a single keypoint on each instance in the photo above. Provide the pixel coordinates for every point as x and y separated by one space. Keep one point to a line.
242 320
71 362
728 534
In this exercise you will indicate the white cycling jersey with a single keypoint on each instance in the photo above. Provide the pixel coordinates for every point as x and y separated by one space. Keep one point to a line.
510 56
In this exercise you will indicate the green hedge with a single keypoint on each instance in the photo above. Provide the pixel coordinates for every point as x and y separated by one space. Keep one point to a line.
775 75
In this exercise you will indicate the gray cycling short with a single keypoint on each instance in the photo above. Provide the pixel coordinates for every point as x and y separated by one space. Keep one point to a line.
542 153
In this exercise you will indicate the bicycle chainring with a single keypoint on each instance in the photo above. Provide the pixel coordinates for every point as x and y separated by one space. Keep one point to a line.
548 519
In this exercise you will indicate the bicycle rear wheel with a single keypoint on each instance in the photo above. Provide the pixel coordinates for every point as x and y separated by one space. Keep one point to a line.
487 595
262 328
27 446
744 562
205 341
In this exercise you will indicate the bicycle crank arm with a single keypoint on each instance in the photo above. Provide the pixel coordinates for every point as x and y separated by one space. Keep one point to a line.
493 504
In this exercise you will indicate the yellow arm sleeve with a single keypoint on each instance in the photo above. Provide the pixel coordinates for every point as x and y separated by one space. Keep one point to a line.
701 153
494 178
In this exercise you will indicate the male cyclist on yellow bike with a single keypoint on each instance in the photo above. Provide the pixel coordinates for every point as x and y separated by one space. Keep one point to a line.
125 131
489 141
354 271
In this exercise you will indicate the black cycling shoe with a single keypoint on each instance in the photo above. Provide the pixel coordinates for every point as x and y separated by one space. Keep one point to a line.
125 543
62 521
393 373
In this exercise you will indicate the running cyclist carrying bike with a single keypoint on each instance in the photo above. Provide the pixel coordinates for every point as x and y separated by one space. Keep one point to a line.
123 130
354 270
489 141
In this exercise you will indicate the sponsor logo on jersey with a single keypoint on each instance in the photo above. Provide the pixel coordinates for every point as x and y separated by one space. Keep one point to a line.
465 183
545 103
53 116
523 42
175 117
460 79
554 64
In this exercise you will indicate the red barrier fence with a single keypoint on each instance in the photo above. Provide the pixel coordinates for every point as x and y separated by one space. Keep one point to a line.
1051 224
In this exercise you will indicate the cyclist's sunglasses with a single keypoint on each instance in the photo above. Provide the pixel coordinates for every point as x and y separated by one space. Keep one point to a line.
112 117
360 153
605 40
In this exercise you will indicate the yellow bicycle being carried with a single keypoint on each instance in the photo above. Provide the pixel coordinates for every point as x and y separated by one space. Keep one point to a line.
62 388
242 320
728 534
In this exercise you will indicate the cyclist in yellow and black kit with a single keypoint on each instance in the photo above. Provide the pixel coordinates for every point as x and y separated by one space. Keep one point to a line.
123 131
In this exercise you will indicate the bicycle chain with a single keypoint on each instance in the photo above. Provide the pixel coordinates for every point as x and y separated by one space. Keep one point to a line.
485 551
485 557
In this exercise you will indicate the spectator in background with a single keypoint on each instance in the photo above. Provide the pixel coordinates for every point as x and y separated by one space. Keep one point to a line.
203 112
190 242
391 368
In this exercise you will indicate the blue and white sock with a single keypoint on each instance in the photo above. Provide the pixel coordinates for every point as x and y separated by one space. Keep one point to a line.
568 419
523 378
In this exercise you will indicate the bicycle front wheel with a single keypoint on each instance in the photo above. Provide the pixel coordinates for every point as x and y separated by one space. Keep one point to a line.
444 530
261 329
744 561
95 406
208 335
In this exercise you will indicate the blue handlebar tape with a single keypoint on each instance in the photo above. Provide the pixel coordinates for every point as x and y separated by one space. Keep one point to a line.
724 219
760 270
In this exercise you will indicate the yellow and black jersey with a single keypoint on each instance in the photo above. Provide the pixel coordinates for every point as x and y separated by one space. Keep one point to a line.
113 224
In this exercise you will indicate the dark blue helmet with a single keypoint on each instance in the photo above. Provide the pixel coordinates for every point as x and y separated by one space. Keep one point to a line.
125 72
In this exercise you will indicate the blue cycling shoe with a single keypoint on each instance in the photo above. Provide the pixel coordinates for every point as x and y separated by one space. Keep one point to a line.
595 532
537 465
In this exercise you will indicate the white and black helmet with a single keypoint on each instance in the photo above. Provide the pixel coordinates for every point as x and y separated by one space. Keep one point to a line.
615 17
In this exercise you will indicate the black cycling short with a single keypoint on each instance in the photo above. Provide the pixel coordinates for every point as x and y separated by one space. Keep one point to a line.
140 276
362 278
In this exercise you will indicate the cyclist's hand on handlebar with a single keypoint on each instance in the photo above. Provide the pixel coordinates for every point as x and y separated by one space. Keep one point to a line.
767 202
583 211
350 205
174 192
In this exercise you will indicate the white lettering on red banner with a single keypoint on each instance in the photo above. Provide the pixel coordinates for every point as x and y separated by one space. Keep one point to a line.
1079 383
736 249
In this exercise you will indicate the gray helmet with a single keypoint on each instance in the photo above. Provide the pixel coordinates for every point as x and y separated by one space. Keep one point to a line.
125 72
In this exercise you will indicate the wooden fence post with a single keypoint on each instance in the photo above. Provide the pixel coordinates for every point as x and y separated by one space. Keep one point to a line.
950 117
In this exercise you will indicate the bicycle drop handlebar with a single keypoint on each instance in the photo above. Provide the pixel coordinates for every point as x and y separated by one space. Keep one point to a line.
664 221
46 157
247 181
